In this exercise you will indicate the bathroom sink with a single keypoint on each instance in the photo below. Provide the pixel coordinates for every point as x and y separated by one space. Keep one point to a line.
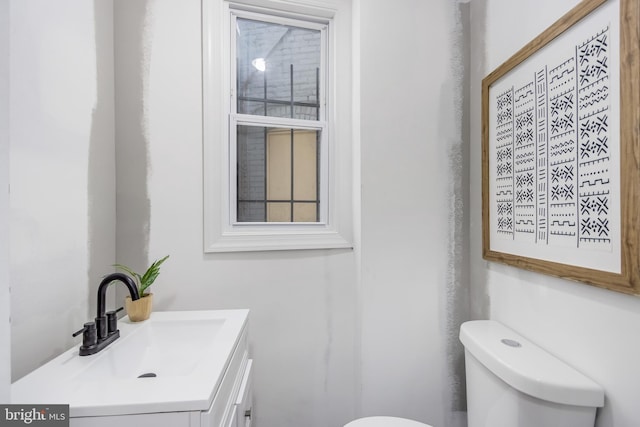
173 361
160 348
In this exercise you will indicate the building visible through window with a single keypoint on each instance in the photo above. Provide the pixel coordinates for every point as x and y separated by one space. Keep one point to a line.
279 128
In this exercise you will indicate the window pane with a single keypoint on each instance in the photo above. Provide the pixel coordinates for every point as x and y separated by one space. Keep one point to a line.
277 174
257 108
251 163
279 165
305 166
305 212
278 212
277 66
251 211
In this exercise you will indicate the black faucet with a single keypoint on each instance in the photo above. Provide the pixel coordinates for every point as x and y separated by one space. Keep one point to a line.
99 334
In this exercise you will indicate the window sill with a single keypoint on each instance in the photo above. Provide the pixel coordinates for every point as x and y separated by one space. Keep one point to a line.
265 240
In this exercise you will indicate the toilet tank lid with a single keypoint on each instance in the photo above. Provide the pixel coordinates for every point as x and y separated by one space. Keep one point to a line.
527 367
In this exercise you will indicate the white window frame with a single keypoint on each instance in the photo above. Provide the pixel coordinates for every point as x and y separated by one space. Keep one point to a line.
222 233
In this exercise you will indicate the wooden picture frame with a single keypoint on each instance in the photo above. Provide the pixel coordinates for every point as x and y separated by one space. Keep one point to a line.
560 150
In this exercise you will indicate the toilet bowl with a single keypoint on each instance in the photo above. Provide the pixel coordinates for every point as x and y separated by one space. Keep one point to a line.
385 422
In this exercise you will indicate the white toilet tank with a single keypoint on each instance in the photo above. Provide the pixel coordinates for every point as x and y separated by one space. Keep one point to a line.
511 382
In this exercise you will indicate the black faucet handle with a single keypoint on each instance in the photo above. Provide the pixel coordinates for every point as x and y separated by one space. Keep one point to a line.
89 334
112 321
87 326
114 311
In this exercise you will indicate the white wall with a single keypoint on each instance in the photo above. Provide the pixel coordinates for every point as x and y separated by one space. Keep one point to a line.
5 326
62 173
411 126
592 329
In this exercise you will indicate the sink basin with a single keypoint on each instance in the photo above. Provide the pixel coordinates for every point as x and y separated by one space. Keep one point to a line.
173 361
163 348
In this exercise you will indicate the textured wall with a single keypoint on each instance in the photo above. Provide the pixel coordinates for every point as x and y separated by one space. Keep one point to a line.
5 331
61 149
132 21
411 121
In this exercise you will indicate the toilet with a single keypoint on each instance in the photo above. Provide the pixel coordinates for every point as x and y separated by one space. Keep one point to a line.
512 382
385 422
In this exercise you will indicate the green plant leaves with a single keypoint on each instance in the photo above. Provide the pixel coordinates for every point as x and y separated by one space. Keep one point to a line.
149 276
130 272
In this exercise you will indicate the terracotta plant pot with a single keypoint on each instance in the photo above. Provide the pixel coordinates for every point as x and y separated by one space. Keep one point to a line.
140 309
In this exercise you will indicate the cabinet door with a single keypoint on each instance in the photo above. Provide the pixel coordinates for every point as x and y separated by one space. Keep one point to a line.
244 404
232 420
225 399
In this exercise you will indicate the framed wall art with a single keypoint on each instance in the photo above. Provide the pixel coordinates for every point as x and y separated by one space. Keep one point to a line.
560 150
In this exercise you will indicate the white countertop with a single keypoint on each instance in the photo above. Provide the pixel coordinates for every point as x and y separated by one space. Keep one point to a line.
188 350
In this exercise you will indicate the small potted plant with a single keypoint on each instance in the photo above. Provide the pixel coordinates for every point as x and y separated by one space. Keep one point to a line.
141 309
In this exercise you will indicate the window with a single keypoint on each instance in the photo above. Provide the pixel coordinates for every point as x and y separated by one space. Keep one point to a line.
277 153
277 115
277 175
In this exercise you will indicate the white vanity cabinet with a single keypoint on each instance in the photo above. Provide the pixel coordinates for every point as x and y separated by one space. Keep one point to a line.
234 397
177 369
237 410
231 406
